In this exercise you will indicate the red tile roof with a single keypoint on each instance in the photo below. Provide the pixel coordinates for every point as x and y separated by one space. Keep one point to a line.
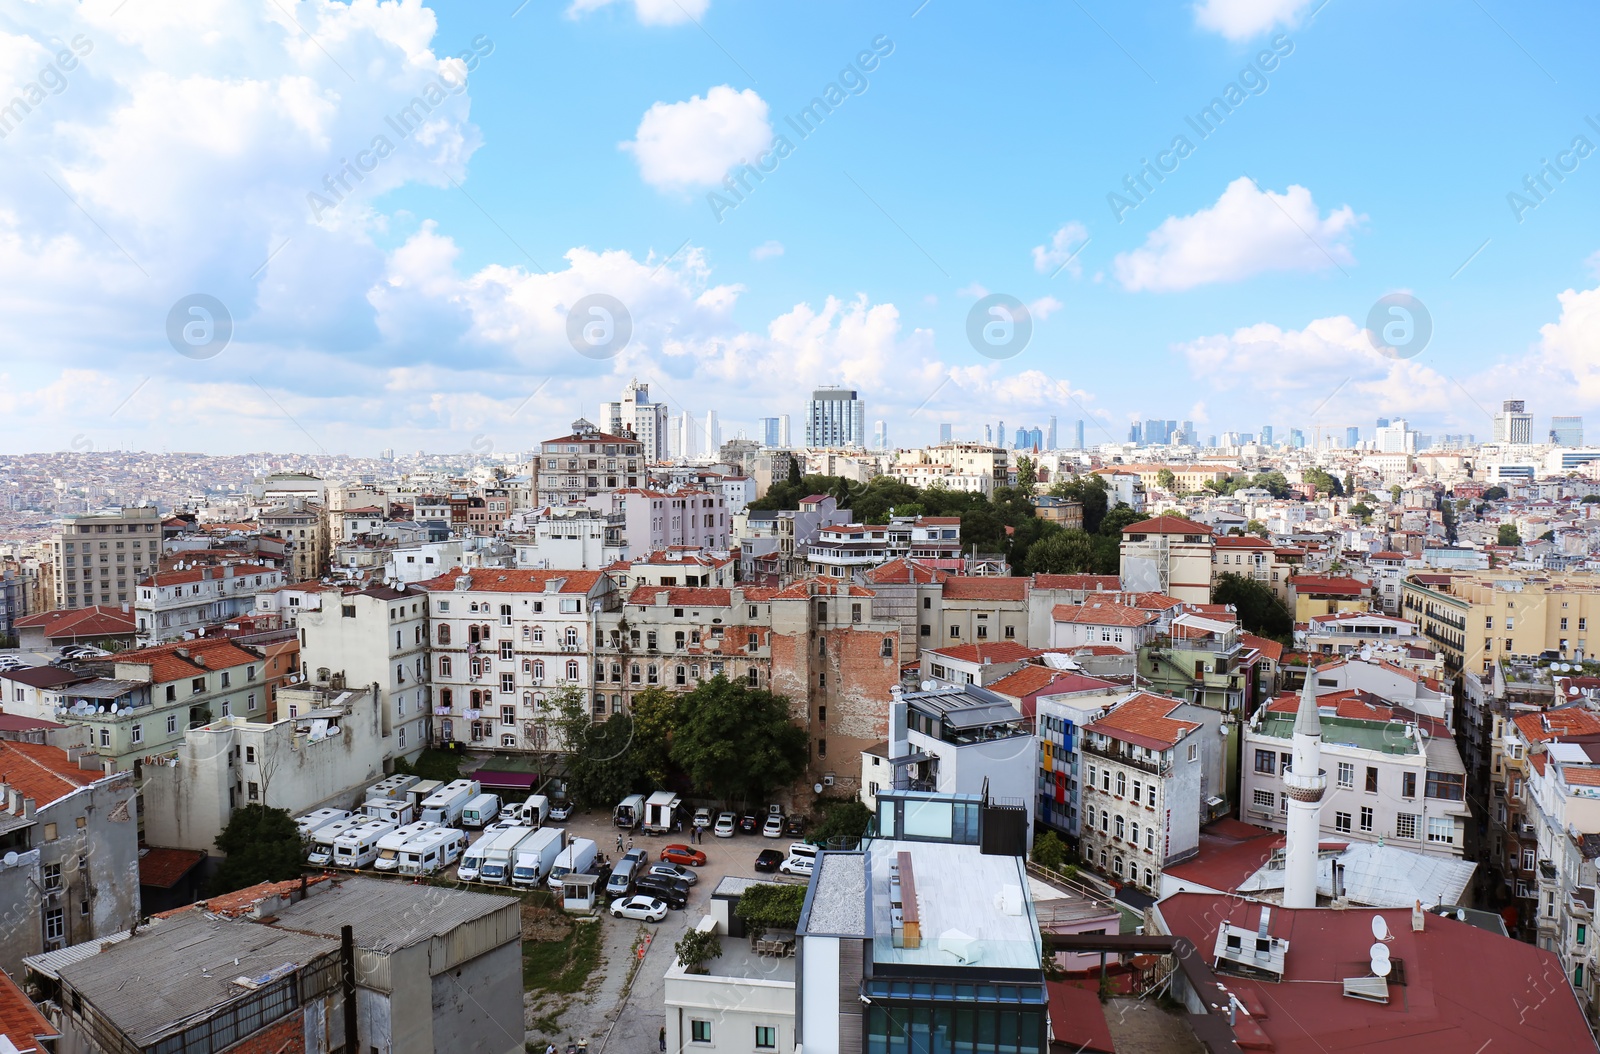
162 868
999 651
1332 585
1564 723
1270 648
1467 989
93 621
20 1021
1230 852
507 580
1167 525
1077 1020
241 902
204 654
18 723
1089 583
979 587
205 574
1142 720
1094 613
1352 704
904 570
681 596
1042 680
1246 541
41 772
44 676
1581 777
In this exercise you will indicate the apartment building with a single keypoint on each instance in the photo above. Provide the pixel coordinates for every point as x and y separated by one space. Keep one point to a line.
636 415
503 642
653 519
586 463
180 602
1258 559
1348 632
307 538
1168 554
377 636
973 467
1152 775
571 537
1394 774
1313 595
1062 708
1523 754
1478 618
1102 622
99 557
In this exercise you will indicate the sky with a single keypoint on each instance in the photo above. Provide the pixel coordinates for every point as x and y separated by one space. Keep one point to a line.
344 227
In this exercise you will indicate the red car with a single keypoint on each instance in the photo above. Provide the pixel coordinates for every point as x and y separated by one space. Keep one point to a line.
682 854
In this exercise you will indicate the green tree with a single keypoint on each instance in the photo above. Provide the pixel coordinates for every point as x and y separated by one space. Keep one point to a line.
769 906
1495 494
1062 553
737 743
1260 610
1167 481
1090 491
1591 499
794 471
1117 520
1049 850
1275 483
655 721
601 766
1324 483
262 845
1548 536
696 948
1363 510
1027 474
1508 534
845 820
1394 493
1256 527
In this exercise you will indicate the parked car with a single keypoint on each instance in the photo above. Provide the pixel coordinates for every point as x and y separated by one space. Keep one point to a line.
676 872
640 907
748 824
794 826
561 810
640 855
702 818
682 854
725 825
773 828
798 865
768 860
676 894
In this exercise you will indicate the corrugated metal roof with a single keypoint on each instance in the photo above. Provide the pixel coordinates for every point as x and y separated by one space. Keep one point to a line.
50 963
388 916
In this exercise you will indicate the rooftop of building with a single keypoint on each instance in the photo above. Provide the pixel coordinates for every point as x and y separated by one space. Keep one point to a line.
1042 680
96 621
389 916
984 654
21 1023
974 909
162 867
184 659
1102 613
1143 720
43 773
1329 585
509 580
985 587
1088 583
1168 525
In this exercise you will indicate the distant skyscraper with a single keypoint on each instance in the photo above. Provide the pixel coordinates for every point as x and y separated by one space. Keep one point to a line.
1022 440
1000 434
1266 435
1050 441
880 435
783 430
771 432
1135 433
713 433
1211 441
1383 422
1155 432
1297 438
836 417
1188 430
1513 424
1352 437
1566 431
636 414
1035 438
1077 435
988 435
944 433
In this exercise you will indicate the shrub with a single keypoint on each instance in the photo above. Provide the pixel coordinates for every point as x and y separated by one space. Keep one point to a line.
696 948
771 907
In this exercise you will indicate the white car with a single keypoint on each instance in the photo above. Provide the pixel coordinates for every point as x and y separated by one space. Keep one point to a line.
773 828
727 823
798 865
642 908
702 818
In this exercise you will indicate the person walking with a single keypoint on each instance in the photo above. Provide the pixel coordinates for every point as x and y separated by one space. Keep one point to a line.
619 841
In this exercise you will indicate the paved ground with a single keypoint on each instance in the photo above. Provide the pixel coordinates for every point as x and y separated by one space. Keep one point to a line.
1139 1026
614 1020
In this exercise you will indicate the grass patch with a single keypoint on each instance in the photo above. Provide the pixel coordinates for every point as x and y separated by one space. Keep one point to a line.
563 966
431 764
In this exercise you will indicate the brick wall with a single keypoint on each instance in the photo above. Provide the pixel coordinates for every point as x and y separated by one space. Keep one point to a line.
285 1036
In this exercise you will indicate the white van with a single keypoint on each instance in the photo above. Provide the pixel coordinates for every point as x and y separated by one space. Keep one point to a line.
389 845
480 810
579 858
312 822
431 851
472 858
629 812
321 854
358 847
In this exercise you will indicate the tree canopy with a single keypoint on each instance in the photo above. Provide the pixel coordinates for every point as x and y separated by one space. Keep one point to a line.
602 765
737 743
262 845
1260 610
1325 483
1508 534
1495 494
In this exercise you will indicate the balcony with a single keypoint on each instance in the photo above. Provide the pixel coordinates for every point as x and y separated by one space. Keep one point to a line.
1115 753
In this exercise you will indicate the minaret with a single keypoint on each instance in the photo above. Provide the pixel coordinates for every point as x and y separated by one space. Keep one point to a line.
1306 784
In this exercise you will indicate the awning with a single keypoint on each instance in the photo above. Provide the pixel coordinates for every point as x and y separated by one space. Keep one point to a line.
500 779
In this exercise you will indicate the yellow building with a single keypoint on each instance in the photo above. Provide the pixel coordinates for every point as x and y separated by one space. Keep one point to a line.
1327 595
1478 617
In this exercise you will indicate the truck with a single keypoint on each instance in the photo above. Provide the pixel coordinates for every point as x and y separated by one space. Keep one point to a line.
629 811
499 857
389 845
358 847
321 854
480 810
314 821
432 850
533 812
536 855
400 810
394 786
660 811
444 805
579 858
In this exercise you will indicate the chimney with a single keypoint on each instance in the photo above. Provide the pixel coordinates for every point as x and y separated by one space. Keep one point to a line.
1418 917
27 808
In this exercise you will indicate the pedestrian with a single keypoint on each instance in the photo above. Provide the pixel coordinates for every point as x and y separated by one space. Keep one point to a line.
630 843
619 841
663 1039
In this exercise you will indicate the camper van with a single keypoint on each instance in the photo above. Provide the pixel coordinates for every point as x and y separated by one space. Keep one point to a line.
535 856
312 822
578 857
660 812
444 806
480 810
432 850
399 811
389 845
472 858
394 786
358 847
321 854
421 790
502 854
629 811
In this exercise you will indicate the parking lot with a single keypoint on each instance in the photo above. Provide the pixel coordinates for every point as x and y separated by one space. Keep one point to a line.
613 1014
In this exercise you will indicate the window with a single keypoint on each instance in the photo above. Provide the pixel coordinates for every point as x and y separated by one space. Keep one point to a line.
1347 775
1366 818
572 669
1150 795
1121 827
1450 786
253 791
1372 780
52 876
1341 822
1194 750
1408 784
505 649
105 737
50 834
766 1037
1264 798
1405 825
508 682
172 724
1442 830
699 1031
55 924
136 733
1122 784
1583 934
508 715
1267 761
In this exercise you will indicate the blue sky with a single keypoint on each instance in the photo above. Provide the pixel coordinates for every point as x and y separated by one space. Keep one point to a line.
1371 150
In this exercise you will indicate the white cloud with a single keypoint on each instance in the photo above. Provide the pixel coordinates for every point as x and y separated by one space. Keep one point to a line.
1247 232
649 12
767 250
1569 347
1065 243
975 290
684 145
1242 19
1044 307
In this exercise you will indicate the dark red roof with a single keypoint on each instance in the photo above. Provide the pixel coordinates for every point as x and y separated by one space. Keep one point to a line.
1167 525
1230 852
164 868
20 1020
95 621
1077 1020
1091 583
18 723
1332 585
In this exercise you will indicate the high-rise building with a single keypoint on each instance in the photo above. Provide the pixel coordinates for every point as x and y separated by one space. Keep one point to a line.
1077 435
1135 433
944 434
1396 438
1513 424
1566 431
1050 440
836 417
775 432
1155 432
1352 437
988 435
1000 434
713 433
100 556
1266 435
1383 422
880 435
635 414
1297 439
1022 440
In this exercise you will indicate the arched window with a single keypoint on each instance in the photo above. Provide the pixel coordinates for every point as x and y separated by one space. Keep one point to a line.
472 634
446 699
508 741
538 671
527 699
400 673
682 672
650 672
572 669
444 633
888 648
633 673
444 666
476 699
572 636
616 673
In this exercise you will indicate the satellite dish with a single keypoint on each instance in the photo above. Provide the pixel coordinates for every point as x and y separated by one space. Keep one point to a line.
1380 928
1379 951
113 708
1381 967
11 859
816 788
